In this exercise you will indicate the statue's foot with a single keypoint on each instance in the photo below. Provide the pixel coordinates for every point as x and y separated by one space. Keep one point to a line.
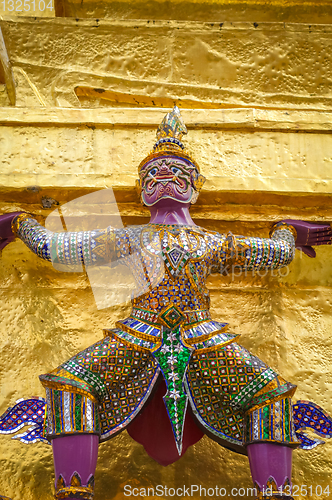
75 458
75 491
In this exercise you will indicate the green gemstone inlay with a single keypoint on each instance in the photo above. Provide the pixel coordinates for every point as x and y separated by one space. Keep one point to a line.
57 405
286 420
78 411
173 358
266 422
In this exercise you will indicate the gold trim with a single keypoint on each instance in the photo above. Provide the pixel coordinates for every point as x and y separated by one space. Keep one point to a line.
168 308
69 388
280 226
132 315
196 323
290 444
131 344
216 347
107 332
17 220
284 395
183 326
207 336
168 151
184 313
275 490
73 490
139 335
235 249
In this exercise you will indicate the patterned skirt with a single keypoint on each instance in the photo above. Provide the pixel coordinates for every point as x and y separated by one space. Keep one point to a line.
235 397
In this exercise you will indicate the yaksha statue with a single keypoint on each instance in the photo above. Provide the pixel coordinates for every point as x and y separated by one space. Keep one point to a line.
170 349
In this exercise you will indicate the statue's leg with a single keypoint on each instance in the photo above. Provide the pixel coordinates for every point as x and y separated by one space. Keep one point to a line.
93 395
74 430
270 460
270 439
75 460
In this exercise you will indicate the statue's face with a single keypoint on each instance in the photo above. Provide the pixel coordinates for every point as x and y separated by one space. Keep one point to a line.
167 178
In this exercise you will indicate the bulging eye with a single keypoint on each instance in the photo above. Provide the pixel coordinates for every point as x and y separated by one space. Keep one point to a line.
153 171
175 170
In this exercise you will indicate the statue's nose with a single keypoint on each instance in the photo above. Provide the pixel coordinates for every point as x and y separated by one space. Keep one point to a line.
164 171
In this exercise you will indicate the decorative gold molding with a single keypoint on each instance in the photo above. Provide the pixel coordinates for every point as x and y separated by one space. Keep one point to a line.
196 119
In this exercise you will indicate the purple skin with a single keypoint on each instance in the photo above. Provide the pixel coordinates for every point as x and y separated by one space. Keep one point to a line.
310 234
168 189
169 211
77 453
167 178
269 459
6 234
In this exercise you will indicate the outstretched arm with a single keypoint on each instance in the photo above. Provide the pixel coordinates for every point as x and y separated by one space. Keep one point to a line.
278 250
260 253
88 247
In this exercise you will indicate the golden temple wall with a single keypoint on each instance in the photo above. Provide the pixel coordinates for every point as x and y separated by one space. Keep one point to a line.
80 102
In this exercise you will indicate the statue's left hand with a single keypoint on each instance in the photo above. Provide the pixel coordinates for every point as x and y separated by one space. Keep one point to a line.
6 234
310 234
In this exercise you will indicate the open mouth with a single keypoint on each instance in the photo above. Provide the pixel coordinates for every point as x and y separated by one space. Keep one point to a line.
170 181
164 179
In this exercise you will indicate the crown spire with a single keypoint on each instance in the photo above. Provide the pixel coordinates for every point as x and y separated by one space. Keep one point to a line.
170 131
172 126
169 135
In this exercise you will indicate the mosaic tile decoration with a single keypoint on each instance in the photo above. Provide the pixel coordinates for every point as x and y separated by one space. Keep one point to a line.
119 379
224 383
273 422
71 413
308 415
305 415
25 412
170 320
173 358
181 247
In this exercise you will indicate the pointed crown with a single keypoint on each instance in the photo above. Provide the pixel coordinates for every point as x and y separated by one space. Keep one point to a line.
169 135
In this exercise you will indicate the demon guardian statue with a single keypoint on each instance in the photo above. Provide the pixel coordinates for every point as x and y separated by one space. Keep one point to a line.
209 382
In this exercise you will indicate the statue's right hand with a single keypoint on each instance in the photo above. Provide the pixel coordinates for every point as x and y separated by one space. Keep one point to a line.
6 233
